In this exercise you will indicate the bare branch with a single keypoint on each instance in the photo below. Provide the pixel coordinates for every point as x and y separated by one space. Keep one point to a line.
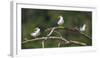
53 37
51 31
77 42
59 44
85 35
69 29
42 44
45 38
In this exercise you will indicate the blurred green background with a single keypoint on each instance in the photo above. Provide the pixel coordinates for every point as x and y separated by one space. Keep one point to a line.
44 18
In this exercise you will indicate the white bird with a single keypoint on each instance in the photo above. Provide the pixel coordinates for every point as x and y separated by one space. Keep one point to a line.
36 33
61 21
83 28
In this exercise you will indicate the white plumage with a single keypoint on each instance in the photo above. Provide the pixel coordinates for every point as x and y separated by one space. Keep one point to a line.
83 27
36 33
61 21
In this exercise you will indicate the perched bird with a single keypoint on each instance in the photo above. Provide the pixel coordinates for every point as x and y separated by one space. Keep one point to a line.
61 21
83 28
36 33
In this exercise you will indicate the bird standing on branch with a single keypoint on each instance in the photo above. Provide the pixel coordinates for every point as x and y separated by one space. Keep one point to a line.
36 33
83 28
61 21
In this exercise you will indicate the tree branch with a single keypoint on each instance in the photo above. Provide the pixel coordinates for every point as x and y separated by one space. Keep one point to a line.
67 29
54 37
85 35
51 31
59 44
76 42
45 38
42 44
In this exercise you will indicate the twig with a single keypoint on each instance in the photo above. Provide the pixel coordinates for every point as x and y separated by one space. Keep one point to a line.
76 42
73 42
59 44
42 44
51 31
85 35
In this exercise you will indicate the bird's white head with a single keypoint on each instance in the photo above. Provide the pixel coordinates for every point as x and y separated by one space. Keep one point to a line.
61 17
37 28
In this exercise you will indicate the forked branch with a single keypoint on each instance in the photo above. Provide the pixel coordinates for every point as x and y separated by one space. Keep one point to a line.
53 37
